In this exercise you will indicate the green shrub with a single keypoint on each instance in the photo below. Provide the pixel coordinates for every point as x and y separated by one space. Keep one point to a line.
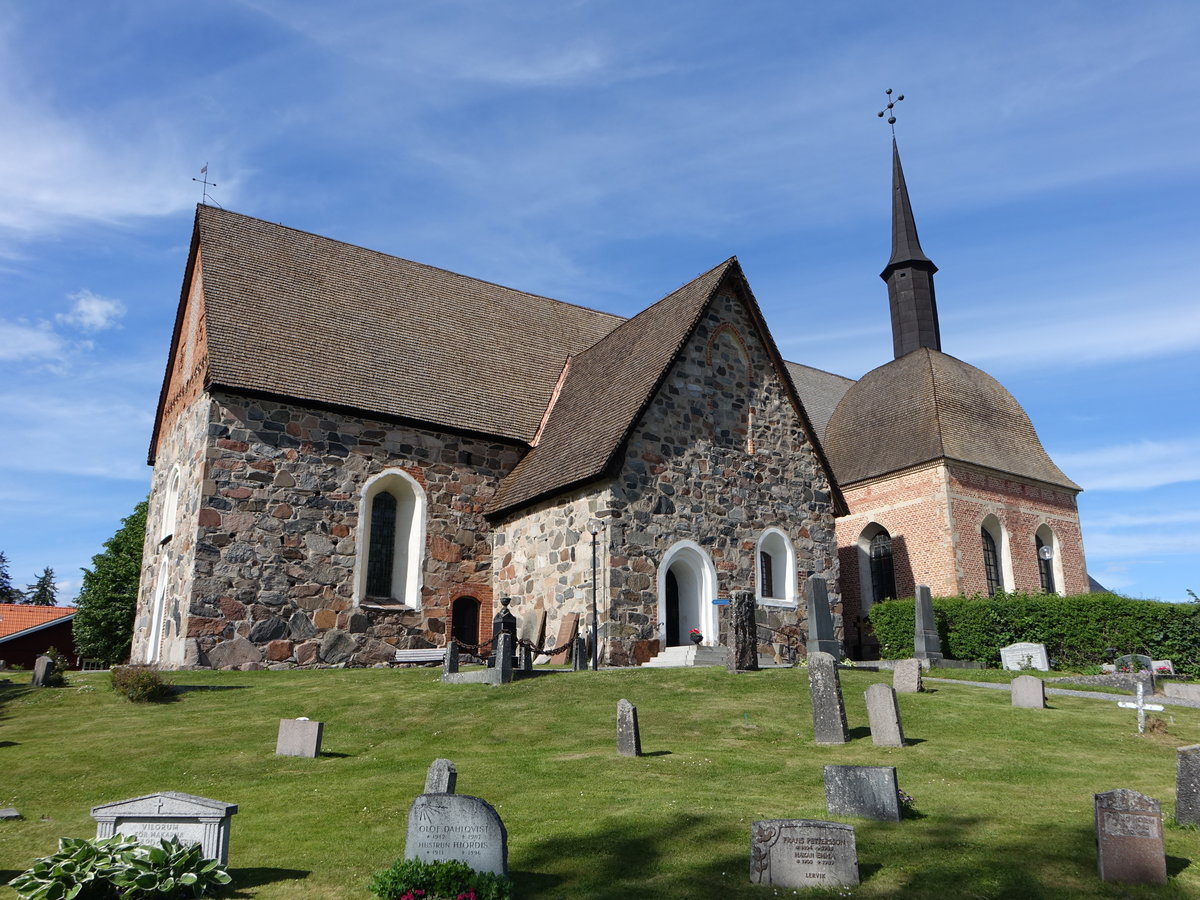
1077 630
414 879
61 664
141 684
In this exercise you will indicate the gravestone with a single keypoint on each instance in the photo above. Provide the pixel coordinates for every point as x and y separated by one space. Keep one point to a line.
450 664
456 826
1025 655
744 657
906 677
803 853
504 657
526 656
579 655
1129 839
1141 706
566 634
1162 667
869 792
1029 692
9 813
168 814
884 716
441 777
820 622
629 738
299 737
828 711
532 627
1134 662
1187 785
43 670
925 637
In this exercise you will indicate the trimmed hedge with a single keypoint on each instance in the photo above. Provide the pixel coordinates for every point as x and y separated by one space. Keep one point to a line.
1076 630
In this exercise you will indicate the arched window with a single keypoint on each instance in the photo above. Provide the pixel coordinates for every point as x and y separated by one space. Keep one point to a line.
997 561
883 570
170 508
1049 560
464 621
391 540
876 568
775 569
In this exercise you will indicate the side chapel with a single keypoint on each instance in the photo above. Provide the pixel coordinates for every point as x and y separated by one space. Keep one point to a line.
354 453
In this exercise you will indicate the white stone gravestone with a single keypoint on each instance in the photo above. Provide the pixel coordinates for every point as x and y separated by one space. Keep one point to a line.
299 737
169 814
1025 655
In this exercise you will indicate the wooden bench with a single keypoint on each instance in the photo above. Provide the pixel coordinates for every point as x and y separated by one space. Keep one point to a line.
427 655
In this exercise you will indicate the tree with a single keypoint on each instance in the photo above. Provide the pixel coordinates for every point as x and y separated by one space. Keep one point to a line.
108 599
42 592
8 593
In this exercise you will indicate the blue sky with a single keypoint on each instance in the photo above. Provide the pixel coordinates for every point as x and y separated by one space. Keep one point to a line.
605 153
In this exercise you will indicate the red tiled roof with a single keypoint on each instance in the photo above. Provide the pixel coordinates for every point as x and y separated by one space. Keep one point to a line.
16 617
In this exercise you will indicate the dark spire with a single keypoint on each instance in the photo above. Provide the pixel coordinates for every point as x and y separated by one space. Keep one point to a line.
909 275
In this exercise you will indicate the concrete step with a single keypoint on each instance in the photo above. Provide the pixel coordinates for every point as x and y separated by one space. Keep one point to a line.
688 656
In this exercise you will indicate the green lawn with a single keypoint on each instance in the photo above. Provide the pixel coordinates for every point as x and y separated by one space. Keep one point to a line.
1004 795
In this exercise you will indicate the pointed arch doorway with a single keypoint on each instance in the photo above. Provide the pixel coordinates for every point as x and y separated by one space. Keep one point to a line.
687 585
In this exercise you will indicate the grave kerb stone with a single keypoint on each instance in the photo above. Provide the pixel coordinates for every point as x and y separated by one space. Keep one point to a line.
869 792
820 620
457 826
828 710
156 817
883 715
1129 838
803 853
441 778
1025 655
299 737
1028 692
629 738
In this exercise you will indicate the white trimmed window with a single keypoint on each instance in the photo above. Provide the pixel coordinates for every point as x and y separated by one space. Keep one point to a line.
391 540
997 556
1049 557
775 569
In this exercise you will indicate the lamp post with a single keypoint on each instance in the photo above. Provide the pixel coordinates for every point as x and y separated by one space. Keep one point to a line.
594 527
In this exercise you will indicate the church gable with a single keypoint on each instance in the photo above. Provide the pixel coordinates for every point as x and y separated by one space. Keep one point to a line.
187 365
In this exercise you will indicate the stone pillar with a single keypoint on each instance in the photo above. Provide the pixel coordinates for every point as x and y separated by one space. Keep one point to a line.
926 643
1187 785
828 710
629 738
820 622
450 666
743 654
504 657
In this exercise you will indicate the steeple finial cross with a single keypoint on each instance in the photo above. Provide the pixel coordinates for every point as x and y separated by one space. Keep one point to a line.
890 111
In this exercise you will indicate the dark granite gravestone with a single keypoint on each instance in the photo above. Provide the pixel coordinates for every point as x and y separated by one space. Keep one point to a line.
828 711
1028 692
820 622
869 792
456 826
629 738
441 777
803 853
526 656
504 656
168 814
1134 662
1187 785
450 664
579 655
906 677
884 716
744 656
1129 839
926 642
43 670
299 737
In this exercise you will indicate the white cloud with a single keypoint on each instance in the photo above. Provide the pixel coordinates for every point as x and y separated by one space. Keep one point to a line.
1134 466
92 312
23 342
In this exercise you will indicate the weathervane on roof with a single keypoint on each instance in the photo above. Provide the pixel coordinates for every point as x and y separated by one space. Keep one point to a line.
890 111
204 198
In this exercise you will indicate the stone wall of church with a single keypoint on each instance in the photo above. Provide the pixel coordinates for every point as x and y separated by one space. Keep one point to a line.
1022 507
277 526
719 456
172 562
543 558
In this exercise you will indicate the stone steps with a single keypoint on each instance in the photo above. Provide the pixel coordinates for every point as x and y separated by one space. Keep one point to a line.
688 656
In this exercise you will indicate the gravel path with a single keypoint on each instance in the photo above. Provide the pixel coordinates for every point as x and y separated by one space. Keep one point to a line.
1064 692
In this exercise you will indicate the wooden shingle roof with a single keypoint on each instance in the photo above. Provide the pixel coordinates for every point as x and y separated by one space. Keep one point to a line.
296 315
928 405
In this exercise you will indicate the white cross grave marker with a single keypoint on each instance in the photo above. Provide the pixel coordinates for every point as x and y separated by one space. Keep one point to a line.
1141 706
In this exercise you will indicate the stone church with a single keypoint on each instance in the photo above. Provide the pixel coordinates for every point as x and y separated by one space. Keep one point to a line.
354 453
